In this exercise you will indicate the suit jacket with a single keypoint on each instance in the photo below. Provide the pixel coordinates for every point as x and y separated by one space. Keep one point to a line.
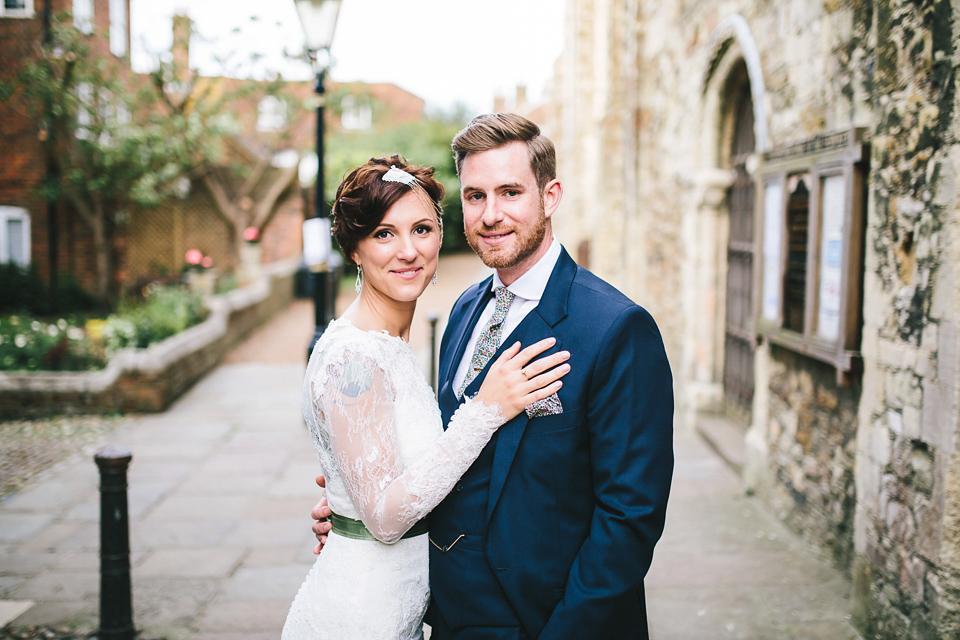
575 501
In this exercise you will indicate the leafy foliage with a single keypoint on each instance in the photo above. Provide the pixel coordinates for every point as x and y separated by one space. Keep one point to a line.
166 312
23 291
30 344
118 140
76 344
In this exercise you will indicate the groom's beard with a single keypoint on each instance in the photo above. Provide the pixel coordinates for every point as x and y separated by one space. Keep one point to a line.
525 243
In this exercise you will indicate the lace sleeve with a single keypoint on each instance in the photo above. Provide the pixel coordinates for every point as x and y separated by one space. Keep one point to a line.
359 404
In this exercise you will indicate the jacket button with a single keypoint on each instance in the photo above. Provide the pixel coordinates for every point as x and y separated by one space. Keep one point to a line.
459 486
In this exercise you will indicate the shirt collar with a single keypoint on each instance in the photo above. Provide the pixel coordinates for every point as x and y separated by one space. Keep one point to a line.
531 285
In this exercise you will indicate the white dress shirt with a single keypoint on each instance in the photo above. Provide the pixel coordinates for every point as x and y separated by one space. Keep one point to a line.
527 291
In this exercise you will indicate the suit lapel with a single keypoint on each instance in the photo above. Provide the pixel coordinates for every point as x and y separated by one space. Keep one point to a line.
459 338
536 326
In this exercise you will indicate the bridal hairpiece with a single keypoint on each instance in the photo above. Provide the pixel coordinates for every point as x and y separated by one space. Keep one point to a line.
399 175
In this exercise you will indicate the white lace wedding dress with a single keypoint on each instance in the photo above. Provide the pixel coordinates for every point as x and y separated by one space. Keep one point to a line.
387 462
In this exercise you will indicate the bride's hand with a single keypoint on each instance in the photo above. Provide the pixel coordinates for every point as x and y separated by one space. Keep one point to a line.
514 382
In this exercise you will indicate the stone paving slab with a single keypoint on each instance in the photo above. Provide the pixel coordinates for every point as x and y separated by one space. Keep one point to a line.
202 562
726 568
237 615
10 609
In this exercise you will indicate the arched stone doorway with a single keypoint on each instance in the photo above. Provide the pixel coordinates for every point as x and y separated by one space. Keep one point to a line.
721 349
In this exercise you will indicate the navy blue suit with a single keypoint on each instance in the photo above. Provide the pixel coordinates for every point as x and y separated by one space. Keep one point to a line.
551 531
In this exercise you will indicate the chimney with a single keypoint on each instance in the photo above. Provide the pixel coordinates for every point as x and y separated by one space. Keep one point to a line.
181 44
521 96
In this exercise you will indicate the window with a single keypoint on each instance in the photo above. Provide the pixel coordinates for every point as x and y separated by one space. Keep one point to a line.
118 27
355 114
14 235
798 227
813 196
17 9
271 114
85 110
83 15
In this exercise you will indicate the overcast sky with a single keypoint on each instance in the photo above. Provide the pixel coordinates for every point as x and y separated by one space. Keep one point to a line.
445 51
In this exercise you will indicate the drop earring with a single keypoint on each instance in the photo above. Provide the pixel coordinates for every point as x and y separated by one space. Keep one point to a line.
433 281
359 283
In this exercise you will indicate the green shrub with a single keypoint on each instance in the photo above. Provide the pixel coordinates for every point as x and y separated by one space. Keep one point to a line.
225 284
33 345
167 310
22 291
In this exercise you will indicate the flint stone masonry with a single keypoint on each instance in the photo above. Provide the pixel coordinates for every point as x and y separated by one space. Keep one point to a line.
149 380
813 449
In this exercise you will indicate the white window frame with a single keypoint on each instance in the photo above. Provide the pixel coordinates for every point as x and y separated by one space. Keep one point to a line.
271 114
355 115
85 104
118 27
83 12
26 12
14 213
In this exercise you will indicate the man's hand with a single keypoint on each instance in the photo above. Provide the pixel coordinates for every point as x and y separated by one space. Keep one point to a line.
320 513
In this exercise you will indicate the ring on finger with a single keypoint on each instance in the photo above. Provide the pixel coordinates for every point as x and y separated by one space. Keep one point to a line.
525 375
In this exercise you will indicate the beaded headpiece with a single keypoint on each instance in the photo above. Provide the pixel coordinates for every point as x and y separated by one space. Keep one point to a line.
399 175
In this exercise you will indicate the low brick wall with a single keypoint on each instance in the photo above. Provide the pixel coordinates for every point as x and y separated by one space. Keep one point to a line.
151 379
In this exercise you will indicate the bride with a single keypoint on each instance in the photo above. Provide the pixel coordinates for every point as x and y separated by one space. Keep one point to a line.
375 422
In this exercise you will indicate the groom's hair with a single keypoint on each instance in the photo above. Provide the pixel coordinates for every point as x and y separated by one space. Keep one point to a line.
494 130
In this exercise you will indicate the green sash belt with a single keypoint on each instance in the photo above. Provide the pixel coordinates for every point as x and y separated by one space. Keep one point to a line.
350 528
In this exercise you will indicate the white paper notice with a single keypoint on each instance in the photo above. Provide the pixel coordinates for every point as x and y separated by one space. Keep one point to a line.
772 233
833 189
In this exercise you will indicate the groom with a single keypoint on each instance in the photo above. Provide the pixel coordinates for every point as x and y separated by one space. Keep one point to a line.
550 533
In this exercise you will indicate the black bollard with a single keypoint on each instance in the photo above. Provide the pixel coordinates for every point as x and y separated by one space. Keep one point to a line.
116 604
432 318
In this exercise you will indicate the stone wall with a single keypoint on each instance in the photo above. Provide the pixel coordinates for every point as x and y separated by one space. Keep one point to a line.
870 470
906 570
812 428
151 379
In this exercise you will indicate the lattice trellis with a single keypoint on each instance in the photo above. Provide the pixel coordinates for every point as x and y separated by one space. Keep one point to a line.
159 238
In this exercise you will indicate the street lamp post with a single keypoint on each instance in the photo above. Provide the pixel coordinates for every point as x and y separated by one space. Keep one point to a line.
319 20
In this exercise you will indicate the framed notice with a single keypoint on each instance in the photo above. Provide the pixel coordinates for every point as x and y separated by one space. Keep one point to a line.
812 246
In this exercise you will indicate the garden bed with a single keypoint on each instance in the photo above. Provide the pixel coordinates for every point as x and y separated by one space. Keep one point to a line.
149 380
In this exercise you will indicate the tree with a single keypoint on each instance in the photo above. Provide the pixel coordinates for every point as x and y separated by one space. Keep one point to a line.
245 208
120 140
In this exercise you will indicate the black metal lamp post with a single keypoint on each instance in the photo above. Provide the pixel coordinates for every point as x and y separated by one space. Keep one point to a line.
319 20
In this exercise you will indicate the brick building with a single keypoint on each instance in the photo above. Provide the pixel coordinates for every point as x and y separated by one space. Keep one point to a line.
30 230
777 183
257 185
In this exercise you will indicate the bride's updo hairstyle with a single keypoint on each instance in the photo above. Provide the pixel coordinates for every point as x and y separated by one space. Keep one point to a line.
364 197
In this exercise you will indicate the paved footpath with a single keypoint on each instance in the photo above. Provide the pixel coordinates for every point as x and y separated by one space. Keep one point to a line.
221 486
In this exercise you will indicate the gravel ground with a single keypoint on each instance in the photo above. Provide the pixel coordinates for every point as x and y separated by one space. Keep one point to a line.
51 633
37 633
28 447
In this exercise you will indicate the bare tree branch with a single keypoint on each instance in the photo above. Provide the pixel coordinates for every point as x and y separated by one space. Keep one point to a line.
258 170
266 207
225 207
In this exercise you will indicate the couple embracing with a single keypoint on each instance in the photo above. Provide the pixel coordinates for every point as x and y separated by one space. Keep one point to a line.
528 503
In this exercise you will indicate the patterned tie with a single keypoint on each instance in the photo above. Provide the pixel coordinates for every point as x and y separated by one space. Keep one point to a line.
489 339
